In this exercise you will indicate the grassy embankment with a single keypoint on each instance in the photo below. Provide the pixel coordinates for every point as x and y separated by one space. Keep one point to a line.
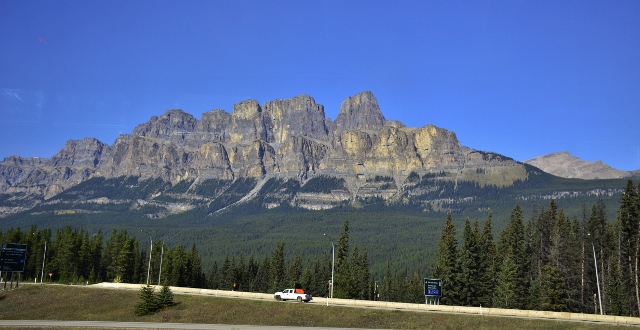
44 302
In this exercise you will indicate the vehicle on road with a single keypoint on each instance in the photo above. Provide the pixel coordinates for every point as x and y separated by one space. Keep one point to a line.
292 294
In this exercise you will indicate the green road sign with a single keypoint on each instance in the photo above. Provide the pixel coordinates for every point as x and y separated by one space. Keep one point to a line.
12 257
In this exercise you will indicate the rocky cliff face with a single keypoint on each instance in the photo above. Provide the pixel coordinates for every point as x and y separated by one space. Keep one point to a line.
565 165
74 163
289 138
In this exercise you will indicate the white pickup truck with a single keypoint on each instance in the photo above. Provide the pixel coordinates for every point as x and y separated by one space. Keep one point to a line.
291 294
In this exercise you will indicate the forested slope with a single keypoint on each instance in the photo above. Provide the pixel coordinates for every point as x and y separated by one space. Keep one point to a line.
545 262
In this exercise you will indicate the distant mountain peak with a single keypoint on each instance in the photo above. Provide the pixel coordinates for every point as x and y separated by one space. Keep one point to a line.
565 165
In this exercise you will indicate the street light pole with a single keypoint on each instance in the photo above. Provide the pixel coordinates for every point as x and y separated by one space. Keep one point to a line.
149 267
44 255
161 254
595 262
333 261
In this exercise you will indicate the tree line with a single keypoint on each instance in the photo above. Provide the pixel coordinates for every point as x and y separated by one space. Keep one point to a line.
547 263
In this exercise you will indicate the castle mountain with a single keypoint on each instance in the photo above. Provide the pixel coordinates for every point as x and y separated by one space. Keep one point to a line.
288 139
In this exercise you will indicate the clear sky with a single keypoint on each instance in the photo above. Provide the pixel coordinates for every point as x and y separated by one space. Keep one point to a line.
521 78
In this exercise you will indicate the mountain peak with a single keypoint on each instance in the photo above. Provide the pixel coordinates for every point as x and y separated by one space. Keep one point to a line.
164 126
565 165
361 112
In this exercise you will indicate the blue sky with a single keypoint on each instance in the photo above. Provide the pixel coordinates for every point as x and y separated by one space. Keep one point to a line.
521 78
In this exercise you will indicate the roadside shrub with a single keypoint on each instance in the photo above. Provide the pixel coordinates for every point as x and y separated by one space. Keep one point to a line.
165 298
151 302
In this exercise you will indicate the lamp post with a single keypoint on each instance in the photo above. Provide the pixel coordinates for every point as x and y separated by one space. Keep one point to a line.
149 267
333 260
161 254
595 262
44 255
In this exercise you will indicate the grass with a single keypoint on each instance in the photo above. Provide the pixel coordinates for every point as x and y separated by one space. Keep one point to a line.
57 302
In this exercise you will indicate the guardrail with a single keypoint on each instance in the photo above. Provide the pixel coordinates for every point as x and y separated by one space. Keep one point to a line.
401 306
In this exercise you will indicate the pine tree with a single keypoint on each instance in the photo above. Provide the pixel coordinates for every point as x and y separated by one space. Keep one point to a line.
506 289
306 280
277 274
342 247
389 289
196 276
487 265
230 279
360 274
599 238
616 304
446 263
261 281
84 257
322 275
226 274
176 274
515 247
343 288
415 289
165 297
213 280
467 277
562 266
554 291
96 257
149 304
251 273
123 259
628 241
294 272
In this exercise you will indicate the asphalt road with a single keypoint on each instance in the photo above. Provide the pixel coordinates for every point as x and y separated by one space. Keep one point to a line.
142 325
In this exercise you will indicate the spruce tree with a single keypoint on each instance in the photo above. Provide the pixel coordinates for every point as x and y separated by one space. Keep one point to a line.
196 277
628 250
506 295
149 304
553 290
342 247
446 263
306 280
517 250
213 280
226 274
322 275
277 274
487 265
360 273
615 302
261 281
165 297
468 261
294 272
388 290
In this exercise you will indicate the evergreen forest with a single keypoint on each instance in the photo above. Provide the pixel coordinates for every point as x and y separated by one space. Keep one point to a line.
550 261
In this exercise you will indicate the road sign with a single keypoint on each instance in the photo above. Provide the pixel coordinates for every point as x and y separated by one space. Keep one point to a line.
432 287
12 257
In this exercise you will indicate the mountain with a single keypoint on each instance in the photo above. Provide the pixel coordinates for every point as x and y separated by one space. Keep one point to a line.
291 139
565 165
238 182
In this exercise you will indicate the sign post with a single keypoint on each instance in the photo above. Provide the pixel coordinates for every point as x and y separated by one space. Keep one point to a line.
432 291
12 258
